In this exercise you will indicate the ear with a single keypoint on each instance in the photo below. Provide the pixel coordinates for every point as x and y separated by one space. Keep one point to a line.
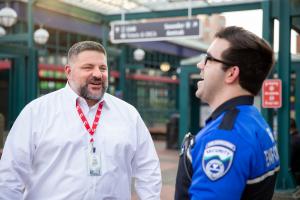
232 74
68 70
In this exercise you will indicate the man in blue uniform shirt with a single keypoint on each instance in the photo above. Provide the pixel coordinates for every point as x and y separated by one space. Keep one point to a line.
235 155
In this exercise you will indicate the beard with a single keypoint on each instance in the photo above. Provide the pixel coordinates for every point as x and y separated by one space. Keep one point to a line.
86 94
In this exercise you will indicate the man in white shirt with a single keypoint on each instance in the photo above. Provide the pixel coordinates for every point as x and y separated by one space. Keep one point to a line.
80 142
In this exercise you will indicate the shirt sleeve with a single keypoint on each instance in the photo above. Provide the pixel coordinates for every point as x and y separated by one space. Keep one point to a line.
219 168
146 167
15 163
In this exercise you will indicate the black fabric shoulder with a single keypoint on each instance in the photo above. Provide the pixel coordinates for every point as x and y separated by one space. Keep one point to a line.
228 120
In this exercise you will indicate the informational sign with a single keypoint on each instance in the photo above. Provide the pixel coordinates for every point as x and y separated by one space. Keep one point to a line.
271 93
164 29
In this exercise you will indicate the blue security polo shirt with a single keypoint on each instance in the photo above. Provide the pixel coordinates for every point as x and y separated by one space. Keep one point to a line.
233 157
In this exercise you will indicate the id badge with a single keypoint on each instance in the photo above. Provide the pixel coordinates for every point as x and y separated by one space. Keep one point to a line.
94 163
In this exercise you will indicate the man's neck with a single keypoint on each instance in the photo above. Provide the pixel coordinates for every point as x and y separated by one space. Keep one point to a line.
226 96
91 102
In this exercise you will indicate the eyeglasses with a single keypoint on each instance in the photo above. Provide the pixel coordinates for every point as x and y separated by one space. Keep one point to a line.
205 57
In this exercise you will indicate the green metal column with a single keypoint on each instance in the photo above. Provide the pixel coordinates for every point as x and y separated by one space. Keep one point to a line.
268 36
184 100
284 180
32 61
57 42
11 96
122 71
32 77
30 22
68 40
105 36
183 104
17 88
23 74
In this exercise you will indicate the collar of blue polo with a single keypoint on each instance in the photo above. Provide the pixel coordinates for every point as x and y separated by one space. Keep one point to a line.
230 104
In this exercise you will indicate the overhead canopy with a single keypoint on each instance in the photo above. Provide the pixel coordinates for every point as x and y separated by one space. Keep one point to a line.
111 7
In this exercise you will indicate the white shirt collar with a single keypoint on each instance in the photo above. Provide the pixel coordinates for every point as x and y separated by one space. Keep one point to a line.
73 96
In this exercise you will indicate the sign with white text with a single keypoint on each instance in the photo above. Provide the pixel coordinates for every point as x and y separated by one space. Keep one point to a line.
165 29
271 93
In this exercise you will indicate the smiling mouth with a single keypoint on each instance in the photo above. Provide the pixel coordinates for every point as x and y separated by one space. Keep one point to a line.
95 83
95 86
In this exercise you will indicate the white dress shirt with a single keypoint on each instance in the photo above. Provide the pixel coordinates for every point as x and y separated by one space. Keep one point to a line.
45 154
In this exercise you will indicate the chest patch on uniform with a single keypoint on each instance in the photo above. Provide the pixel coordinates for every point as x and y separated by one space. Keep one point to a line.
217 158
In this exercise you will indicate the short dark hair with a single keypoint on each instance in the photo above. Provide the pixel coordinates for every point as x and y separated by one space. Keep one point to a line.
253 55
85 46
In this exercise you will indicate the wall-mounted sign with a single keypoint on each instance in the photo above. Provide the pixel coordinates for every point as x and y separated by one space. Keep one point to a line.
271 93
164 29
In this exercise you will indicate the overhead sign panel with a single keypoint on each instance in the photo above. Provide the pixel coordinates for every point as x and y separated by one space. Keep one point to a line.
165 29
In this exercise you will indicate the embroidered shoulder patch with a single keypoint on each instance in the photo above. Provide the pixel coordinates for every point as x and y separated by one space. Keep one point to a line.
217 158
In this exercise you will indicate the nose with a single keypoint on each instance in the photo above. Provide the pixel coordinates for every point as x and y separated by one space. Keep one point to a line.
200 65
97 72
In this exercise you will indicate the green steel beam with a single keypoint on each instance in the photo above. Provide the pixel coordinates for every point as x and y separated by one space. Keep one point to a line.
184 100
105 36
67 9
6 55
184 12
122 70
68 40
11 97
14 49
113 51
30 23
284 180
32 75
20 87
294 6
23 74
275 8
267 35
57 42
23 78
17 88
135 66
20 37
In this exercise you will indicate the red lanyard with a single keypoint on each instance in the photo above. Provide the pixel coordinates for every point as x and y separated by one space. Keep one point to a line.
86 123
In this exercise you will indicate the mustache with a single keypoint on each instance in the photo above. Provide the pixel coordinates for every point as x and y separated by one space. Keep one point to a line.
94 80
